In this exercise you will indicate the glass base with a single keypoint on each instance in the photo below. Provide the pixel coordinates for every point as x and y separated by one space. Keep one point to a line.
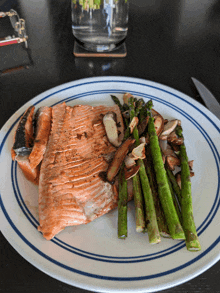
119 52
100 48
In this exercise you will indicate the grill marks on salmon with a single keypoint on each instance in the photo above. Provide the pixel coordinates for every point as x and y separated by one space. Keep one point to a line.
71 191
28 149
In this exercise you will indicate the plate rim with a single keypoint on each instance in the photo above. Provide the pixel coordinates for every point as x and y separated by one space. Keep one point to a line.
190 101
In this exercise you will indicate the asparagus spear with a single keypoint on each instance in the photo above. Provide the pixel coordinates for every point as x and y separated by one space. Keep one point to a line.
138 202
176 203
162 225
175 185
117 102
150 213
121 107
192 241
175 228
122 205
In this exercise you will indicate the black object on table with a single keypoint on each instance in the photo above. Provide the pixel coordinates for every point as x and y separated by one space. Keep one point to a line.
168 42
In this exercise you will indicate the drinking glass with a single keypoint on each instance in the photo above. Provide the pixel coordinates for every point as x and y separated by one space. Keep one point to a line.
100 25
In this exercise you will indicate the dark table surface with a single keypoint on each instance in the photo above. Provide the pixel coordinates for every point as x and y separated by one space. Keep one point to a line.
168 42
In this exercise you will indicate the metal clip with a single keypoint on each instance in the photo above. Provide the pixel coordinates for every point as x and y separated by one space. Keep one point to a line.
18 25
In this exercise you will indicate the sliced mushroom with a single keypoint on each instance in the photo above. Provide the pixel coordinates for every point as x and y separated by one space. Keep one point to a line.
155 113
176 149
143 139
142 125
118 159
133 124
131 172
158 124
169 127
190 163
110 123
166 148
174 139
163 145
130 154
192 174
163 137
172 136
169 152
139 151
129 161
126 97
172 162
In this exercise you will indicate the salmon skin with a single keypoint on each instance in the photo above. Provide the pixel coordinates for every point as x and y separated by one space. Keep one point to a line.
23 139
71 192
28 150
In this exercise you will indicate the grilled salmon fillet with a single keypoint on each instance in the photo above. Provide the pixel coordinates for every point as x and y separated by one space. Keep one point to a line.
71 192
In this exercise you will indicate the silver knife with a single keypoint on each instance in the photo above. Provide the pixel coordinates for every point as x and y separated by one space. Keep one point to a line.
208 98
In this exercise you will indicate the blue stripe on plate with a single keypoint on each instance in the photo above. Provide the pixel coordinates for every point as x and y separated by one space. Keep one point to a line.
213 212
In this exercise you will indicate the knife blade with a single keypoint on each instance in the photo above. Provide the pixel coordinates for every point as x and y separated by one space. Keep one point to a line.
208 98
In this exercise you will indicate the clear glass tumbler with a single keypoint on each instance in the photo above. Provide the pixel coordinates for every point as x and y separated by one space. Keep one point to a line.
100 25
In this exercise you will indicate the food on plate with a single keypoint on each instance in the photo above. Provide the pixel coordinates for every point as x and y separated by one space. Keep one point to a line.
162 206
149 209
23 142
192 241
111 128
89 160
122 205
42 132
162 224
118 159
71 192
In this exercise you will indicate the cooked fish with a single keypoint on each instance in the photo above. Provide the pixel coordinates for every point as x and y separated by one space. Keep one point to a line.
29 143
23 139
22 147
42 131
71 192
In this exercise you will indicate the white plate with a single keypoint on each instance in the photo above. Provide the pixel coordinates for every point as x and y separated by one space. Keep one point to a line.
91 256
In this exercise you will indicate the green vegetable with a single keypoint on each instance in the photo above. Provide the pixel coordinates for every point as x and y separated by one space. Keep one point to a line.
162 225
117 102
175 185
122 205
192 241
150 213
175 228
138 202
176 203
